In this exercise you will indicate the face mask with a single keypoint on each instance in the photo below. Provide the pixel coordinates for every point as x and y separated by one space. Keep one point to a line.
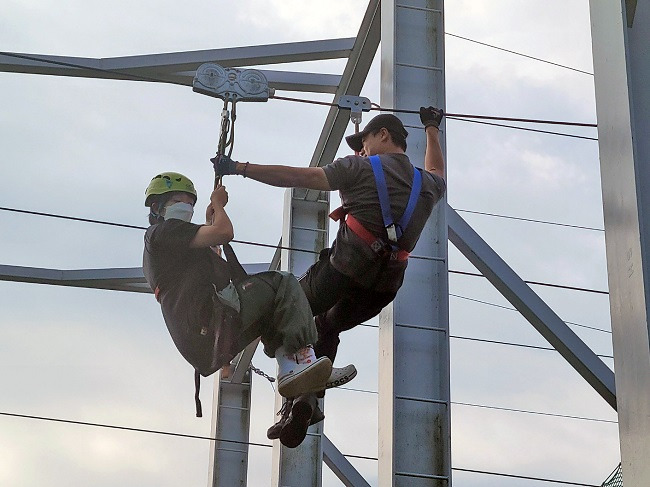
179 211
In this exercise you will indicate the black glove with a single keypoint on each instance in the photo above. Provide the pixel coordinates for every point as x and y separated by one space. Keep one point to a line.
430 116
224 165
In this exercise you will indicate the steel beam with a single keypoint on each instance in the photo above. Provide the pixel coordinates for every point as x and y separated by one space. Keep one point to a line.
620 31
306 226
414 412
532 307
354 76
118 279
340 465
180 68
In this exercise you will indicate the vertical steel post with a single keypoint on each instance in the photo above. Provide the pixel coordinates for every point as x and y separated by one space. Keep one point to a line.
230 421
414 413
306 226
620 32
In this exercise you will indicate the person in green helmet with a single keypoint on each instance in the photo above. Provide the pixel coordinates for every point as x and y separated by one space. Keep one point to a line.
212 309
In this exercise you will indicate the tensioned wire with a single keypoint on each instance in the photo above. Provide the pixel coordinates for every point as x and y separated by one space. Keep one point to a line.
463 117
257 244
182 435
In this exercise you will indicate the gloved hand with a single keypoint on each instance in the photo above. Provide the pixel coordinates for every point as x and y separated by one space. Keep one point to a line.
224 165
431 116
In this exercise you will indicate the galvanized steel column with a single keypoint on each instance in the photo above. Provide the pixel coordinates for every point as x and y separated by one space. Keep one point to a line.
620 33
230 421
414 415
306 226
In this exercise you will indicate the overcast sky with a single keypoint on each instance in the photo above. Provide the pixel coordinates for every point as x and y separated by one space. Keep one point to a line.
88 148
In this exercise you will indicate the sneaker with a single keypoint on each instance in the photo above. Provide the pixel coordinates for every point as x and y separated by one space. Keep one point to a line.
305 377
295 429
340 376
273 433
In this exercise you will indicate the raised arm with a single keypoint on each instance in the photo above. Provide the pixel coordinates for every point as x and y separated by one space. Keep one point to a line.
434 161
218 229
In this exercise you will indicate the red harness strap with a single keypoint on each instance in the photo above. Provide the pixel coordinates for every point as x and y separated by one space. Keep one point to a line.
156 293
378 245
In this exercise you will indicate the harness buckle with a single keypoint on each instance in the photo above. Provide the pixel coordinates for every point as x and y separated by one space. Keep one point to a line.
392 233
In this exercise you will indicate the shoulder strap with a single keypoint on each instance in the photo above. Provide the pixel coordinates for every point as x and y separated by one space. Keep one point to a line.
237 271
382 192
395 231
413 199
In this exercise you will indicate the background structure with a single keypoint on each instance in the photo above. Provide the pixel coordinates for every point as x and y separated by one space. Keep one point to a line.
88 148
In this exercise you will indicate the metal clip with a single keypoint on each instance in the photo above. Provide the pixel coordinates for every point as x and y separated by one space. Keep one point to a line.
356 104
231 84
392 233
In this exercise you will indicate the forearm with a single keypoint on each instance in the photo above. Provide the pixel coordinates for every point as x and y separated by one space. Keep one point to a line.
285 176
217 232
434 160
281 176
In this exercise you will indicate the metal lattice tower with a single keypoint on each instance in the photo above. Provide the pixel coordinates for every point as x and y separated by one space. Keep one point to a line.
412 58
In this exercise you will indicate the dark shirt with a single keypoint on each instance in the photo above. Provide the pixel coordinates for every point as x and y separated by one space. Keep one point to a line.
185 278
353 177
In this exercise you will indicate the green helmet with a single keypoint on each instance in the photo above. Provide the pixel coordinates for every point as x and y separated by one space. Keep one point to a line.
166 182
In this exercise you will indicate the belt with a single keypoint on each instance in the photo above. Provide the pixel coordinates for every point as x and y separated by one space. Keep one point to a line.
378 245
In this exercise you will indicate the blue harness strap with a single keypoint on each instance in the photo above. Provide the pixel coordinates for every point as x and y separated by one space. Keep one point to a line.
394 231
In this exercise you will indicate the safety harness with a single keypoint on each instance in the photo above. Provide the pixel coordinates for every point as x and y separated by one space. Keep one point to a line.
237 274
384 249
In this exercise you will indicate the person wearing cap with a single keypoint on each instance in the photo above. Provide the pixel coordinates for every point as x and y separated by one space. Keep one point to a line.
211 307
364 268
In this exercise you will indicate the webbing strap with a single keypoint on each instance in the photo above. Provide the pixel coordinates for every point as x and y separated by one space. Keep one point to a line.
413 199
384 201
382 191
197 389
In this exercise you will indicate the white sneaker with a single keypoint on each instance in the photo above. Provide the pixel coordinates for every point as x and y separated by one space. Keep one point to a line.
305 375
340 376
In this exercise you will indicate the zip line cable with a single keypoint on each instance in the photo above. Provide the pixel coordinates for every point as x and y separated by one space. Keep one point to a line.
257 244
448 114
524 128
537 283
166 433
514 309
530 220
302 100
497 342
518 53
498 408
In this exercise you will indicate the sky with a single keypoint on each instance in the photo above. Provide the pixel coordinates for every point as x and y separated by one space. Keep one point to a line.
88 148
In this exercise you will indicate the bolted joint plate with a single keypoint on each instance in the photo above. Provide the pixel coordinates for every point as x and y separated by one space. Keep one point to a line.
231 84
356 104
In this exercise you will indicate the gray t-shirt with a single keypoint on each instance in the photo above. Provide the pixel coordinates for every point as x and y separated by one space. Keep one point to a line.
353 177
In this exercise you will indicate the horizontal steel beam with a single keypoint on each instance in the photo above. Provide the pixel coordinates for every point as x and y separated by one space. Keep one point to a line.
180 67
117 279
96 68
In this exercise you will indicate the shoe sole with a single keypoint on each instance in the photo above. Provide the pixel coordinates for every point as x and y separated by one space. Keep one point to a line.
343 380
295 430
311 379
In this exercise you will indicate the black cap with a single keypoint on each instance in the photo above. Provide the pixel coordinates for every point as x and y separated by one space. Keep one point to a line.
386 120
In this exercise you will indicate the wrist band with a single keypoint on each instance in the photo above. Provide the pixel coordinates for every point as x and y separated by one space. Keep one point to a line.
244 171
